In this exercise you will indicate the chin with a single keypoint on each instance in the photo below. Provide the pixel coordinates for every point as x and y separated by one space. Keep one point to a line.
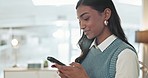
89 37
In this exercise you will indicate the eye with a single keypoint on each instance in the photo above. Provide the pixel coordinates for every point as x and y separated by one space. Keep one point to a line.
86 18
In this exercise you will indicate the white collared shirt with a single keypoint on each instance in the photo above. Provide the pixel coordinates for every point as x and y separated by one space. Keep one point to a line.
127 65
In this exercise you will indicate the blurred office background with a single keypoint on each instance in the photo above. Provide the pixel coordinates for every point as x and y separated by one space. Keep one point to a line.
29 32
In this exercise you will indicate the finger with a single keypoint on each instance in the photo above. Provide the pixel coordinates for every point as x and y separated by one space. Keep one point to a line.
61 74
63 68
53 66
56 66
77 65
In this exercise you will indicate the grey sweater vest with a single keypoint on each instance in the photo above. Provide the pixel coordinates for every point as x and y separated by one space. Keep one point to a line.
103 64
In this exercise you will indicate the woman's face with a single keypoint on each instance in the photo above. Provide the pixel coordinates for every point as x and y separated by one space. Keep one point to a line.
91 21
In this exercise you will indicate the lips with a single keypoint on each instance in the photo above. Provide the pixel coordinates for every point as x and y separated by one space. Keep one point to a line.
86 32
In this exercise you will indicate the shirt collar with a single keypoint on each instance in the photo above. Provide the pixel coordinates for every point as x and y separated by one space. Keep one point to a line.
102 46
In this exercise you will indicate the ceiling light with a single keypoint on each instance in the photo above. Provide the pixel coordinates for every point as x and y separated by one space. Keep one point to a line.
14 42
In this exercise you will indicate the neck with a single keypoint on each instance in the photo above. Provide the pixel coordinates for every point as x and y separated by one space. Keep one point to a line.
105 34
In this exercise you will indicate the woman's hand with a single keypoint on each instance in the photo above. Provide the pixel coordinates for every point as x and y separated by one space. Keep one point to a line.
75 70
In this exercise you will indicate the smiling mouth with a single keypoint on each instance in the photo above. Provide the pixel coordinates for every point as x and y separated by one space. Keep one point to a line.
86 32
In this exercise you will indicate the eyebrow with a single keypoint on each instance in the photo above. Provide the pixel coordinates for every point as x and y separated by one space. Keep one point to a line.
83 14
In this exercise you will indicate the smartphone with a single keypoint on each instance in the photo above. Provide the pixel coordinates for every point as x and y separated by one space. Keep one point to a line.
53 60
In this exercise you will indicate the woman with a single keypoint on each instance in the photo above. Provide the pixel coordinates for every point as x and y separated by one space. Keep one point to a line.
106 53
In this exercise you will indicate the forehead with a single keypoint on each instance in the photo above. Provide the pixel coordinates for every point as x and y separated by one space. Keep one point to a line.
83 9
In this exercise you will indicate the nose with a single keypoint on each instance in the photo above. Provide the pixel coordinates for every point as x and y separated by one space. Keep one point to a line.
82 25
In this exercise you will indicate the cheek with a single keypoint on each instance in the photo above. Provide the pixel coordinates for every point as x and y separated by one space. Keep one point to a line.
93 30
96 28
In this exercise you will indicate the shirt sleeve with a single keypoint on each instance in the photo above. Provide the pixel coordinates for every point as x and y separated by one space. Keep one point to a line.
127 65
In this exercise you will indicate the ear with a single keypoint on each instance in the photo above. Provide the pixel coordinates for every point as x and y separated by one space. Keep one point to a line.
107 13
